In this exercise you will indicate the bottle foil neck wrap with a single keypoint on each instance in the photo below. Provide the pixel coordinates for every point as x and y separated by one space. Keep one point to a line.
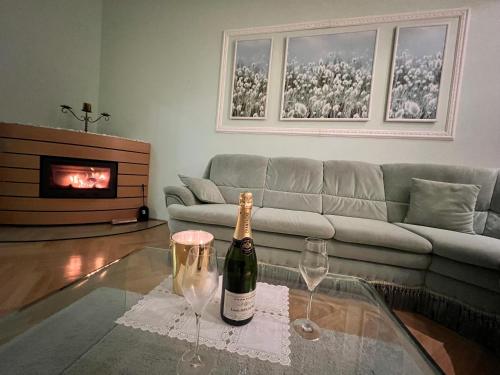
243 228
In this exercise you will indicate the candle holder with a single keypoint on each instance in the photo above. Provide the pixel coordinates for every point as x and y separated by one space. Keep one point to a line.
87 108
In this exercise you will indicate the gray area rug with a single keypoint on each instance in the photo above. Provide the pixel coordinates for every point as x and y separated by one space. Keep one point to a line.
54 344
130 351
83 339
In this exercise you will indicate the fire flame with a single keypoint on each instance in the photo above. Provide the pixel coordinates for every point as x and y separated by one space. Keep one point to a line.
81 177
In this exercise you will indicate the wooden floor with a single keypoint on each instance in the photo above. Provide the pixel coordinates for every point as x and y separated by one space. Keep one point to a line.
453 353
31 270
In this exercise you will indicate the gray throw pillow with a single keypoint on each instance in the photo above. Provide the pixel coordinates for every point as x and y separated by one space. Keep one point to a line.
205 190
442 205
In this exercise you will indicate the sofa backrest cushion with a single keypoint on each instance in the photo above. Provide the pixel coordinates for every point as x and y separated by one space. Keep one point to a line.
492 228
237 173
294 184
352 188
398 180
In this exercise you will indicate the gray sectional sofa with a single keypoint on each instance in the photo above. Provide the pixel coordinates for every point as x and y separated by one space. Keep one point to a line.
452 277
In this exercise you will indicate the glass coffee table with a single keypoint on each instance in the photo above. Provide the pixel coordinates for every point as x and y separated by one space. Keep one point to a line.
74 330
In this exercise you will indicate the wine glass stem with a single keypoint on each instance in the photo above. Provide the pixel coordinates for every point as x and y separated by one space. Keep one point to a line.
309 304
197 335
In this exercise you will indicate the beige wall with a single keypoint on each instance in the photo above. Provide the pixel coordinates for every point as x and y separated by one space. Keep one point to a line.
49 55
160 71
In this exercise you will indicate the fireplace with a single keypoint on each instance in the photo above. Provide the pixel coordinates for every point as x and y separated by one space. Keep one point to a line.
77 178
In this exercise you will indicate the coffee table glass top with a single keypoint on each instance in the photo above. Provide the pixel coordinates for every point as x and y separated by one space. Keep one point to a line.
73 331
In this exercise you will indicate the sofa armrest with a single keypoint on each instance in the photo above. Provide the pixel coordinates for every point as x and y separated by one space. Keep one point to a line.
179 195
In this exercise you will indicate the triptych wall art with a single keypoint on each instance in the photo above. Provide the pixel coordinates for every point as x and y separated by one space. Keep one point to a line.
392 76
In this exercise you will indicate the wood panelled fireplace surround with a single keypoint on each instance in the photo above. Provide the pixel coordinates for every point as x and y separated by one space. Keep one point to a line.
54 176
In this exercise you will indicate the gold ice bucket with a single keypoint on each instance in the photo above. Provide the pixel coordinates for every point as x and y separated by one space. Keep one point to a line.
180 244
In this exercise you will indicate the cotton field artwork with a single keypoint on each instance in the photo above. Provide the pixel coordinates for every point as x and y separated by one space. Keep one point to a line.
395 75
250 79
329 76
416 73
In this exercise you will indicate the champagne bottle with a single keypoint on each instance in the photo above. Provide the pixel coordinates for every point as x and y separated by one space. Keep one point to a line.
240 270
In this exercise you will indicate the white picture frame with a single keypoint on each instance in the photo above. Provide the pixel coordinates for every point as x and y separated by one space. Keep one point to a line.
253 63
377 127
419 103
308 106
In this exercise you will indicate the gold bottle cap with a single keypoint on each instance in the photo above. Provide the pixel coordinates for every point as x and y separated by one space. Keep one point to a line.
246 199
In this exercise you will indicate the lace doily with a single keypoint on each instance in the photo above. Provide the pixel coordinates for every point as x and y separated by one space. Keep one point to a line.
266 337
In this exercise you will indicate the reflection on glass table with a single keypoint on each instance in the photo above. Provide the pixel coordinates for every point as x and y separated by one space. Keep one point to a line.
74 330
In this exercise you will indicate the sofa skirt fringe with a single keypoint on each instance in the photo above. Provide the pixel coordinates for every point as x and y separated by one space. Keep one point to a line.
467 321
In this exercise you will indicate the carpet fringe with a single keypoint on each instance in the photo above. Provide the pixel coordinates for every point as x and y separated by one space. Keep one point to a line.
471 323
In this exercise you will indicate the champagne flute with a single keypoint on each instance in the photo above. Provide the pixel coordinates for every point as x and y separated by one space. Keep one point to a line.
313 266
199 284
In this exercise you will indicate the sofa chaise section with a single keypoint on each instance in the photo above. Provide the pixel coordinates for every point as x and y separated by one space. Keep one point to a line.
473 260
477 250
463 279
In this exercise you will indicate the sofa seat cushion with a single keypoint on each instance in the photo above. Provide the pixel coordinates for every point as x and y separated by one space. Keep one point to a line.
479 276
477 250
286 242
299 223
377 233
217 214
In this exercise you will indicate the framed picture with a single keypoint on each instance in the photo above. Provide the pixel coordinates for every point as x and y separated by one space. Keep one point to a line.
328 77
417 65
252 60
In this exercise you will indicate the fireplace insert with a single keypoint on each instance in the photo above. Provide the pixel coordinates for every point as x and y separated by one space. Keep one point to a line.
62 177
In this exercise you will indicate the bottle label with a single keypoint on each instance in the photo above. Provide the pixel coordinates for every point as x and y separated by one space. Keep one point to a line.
239 306
245 245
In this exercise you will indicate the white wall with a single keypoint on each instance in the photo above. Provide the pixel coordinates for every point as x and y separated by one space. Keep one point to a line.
49 55
160 71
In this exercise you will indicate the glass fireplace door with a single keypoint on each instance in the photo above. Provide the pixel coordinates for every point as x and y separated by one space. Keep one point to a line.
62 177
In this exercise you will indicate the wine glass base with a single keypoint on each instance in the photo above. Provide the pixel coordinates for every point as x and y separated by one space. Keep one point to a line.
188 365
307 329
